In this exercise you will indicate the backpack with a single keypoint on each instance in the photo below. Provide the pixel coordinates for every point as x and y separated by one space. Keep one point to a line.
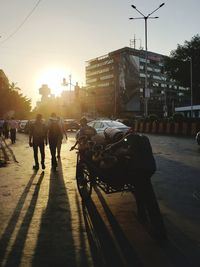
38 130
54 129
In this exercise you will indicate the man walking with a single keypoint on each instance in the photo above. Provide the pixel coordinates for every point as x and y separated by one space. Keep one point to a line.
37 139
6 129
54 133
62 133
13 129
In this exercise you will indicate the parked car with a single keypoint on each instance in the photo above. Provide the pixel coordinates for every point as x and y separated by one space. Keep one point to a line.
101 125
125 121
71 124
198 138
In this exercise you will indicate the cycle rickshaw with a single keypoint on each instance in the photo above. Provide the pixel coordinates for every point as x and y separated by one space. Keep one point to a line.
98 166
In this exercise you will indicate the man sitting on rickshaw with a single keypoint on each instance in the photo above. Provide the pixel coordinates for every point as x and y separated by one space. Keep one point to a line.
85 134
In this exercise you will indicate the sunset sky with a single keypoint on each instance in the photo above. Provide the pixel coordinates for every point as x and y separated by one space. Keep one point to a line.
44 41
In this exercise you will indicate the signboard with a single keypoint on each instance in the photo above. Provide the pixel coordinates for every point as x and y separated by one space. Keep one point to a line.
128 73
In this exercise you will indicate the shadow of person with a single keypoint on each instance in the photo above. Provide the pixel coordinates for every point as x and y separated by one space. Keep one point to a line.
6 236
55 246
84 258
129 254
103 248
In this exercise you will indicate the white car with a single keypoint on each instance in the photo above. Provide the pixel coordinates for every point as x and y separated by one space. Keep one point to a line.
198 138
101 125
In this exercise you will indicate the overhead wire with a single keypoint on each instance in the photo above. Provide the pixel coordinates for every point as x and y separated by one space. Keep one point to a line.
22 23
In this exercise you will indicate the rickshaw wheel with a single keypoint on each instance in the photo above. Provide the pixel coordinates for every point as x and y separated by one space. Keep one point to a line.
83 179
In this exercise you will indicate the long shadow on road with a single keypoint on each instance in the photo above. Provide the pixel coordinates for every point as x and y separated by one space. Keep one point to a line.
83 255
103 246
15 255
168 248
129 254
6 236
105 251
175 184
55 245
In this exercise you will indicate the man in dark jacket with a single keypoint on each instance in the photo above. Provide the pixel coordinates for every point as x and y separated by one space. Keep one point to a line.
135 156
13 129
37 139
54 133
6 129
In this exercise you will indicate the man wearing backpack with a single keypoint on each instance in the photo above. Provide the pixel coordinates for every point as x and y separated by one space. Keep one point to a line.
54 133
37 139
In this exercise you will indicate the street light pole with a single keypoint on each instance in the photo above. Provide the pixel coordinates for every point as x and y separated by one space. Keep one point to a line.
65 83
191 89
146 90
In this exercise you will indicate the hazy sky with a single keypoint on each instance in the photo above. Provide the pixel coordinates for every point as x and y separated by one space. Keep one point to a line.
61 35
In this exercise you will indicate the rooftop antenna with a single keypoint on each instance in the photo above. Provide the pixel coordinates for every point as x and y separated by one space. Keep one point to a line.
133 43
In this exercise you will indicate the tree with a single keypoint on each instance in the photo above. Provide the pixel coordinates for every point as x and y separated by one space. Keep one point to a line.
13 87
178 66
14 103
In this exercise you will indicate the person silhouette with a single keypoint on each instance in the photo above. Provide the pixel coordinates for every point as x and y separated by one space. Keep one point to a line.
54 134
37 139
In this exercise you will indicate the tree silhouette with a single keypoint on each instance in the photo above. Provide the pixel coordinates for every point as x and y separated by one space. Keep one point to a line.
13 102
178 65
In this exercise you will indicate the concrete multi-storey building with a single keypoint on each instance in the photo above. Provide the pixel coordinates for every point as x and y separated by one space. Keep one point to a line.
115 83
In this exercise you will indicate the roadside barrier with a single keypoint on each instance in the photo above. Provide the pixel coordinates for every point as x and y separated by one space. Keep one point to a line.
136 126
141 129
177 127
161 128
154 127
185 127
169 128
193 129
147 128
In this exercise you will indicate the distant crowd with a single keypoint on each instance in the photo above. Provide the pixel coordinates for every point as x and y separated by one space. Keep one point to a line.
8 129
41 133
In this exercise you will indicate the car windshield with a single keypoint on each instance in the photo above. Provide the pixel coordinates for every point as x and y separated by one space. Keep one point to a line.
114 124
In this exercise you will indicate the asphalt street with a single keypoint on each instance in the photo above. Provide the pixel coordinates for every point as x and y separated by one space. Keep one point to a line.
43 221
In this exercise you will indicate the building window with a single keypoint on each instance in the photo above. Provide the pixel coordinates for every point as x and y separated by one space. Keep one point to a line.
106 77
91 80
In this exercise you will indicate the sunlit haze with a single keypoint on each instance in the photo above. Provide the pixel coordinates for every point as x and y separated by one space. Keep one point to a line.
59 37
53 77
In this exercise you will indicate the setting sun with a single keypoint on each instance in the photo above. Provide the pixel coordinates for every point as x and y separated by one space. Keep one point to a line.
53 77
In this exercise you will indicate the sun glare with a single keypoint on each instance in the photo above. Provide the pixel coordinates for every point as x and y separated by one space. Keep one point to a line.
53 77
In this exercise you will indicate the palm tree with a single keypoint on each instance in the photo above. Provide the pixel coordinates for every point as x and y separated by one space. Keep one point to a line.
13 87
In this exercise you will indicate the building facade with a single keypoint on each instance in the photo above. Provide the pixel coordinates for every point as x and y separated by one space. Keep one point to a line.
115 83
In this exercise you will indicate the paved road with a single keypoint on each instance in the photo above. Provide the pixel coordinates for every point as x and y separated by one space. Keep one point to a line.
43 221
